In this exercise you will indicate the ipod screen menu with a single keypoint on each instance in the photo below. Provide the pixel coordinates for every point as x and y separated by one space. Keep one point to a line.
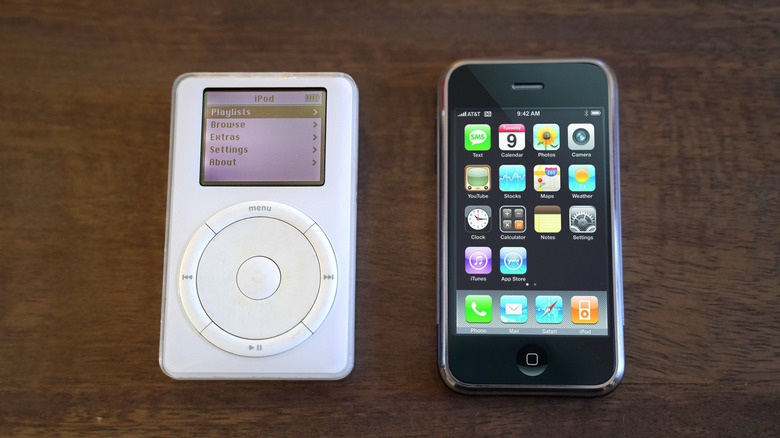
263 137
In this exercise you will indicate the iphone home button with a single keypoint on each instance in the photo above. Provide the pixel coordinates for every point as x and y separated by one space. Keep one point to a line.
532 360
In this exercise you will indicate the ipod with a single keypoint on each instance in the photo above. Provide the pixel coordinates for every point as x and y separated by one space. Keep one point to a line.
260 241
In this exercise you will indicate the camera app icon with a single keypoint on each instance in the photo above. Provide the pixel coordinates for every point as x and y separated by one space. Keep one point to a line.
581 136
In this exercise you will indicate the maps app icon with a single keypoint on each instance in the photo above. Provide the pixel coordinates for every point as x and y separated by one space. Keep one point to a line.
547 178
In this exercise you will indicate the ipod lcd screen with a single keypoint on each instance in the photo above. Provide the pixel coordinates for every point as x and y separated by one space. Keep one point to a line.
263 137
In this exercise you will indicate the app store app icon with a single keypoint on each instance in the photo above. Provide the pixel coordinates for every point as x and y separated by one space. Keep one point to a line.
513 260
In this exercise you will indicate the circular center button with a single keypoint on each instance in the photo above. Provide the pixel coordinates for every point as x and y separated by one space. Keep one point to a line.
258 278
532 360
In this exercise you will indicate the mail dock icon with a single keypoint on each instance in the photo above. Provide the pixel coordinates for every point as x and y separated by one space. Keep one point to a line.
514 309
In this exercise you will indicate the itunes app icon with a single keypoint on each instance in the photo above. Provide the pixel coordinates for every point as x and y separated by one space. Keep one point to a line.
479 260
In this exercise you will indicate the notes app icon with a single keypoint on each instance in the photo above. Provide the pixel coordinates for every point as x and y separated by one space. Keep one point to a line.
547 219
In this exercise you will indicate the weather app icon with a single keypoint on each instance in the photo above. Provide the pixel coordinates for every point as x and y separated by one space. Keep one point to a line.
511 178
582 178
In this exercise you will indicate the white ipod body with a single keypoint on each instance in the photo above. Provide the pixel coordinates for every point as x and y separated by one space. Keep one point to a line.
260 241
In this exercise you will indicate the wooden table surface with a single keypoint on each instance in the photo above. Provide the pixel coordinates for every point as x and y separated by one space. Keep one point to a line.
85 91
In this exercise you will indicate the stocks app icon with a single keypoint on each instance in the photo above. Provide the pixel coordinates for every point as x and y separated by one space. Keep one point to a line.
511 178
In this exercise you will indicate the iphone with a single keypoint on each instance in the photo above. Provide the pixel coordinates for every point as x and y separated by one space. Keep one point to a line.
529 258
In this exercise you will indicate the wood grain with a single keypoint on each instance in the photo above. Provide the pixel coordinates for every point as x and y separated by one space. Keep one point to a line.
84 132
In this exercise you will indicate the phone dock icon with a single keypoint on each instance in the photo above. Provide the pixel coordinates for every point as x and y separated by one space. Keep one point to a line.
479 308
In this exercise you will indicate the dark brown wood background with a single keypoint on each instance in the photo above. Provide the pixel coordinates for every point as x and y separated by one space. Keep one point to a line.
85 91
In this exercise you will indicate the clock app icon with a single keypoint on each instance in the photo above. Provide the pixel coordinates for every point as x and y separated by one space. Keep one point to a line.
478 218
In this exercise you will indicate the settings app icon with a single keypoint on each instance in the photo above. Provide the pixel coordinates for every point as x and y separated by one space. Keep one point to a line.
582 219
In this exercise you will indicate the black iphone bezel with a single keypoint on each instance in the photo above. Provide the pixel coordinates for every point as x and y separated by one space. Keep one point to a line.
576 364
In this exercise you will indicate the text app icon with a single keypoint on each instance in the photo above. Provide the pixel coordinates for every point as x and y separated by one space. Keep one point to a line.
478 218
511 178
547 178
547 219
512 219
479 308
582 178
513 260
582 219
549 309
511 137
477 137
547 137
584 310
477 178
581 136
514 309
479 260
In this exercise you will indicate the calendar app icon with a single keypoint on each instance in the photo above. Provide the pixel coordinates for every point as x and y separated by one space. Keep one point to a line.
511 137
